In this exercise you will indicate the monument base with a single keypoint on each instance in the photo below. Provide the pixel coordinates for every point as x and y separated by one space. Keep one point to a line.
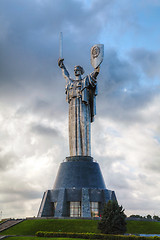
79 190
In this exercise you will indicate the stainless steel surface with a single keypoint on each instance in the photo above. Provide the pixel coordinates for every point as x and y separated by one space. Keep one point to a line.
81 96
61 45
97 54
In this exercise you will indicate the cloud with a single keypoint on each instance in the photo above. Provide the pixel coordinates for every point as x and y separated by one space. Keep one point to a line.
128 154
29 54
44 130
148 61
122 93
7 160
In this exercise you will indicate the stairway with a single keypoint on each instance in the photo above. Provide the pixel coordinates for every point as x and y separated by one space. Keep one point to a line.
9 223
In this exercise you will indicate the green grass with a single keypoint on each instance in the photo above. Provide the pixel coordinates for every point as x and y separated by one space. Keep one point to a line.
40 238
30 227
143 227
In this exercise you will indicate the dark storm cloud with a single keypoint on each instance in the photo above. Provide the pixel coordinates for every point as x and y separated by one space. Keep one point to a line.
28 61
30 44
122 94
118 72
45 130
53 107
19 191
149 61
29 49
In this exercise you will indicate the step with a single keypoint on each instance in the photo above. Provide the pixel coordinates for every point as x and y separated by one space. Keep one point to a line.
9 223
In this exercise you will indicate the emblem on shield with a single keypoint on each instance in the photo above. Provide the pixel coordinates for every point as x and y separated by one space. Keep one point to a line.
97 54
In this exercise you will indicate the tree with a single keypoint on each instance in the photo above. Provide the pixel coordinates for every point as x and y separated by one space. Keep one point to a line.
156 218
149 217
135 216
113 219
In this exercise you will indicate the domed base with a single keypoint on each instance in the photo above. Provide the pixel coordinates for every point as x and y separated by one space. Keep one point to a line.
79 190
79 172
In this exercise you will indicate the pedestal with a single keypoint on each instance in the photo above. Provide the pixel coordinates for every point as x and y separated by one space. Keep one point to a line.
79 190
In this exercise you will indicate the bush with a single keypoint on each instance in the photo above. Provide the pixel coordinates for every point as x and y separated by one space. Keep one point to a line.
113 219
135 216
92 236
71 235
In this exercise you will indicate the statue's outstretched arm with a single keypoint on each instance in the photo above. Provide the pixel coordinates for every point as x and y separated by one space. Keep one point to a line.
96 72
64 70
93 77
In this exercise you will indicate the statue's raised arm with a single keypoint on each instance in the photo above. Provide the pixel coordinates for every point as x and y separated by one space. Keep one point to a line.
95 73
64 70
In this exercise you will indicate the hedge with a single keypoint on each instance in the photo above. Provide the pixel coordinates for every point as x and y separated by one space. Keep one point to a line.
93 236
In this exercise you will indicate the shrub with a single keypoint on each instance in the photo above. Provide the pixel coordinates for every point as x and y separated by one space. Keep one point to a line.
113 219
92 236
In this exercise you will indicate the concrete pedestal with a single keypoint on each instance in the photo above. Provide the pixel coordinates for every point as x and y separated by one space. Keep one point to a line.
79 179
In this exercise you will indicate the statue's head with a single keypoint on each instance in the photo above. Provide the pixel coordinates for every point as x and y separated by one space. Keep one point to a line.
78 70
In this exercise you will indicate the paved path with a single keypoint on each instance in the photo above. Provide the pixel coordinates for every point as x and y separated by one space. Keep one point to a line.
9 223
2 237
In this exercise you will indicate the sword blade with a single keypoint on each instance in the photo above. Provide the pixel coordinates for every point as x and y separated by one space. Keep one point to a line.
61 45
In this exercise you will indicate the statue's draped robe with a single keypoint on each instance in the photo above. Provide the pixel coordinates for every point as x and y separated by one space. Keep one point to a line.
81 96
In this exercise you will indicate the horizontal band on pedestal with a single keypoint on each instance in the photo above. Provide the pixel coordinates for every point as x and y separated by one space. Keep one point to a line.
79 158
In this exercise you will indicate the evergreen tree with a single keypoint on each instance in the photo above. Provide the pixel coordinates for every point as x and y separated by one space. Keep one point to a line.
113 219
156 218
149 216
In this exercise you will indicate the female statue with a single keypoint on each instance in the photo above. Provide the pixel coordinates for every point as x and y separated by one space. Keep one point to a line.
80 94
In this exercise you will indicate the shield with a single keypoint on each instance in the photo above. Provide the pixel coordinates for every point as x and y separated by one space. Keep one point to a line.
97 53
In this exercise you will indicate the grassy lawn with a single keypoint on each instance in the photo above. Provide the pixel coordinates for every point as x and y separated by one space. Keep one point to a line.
40 238
30 227
143 227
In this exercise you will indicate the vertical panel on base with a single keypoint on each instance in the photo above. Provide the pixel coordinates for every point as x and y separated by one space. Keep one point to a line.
85 205
61 203
46 208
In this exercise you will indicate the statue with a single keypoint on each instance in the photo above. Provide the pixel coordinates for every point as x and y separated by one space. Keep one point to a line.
79 189
81 95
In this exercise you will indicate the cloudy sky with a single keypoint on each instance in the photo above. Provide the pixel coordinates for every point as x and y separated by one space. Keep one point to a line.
33 110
